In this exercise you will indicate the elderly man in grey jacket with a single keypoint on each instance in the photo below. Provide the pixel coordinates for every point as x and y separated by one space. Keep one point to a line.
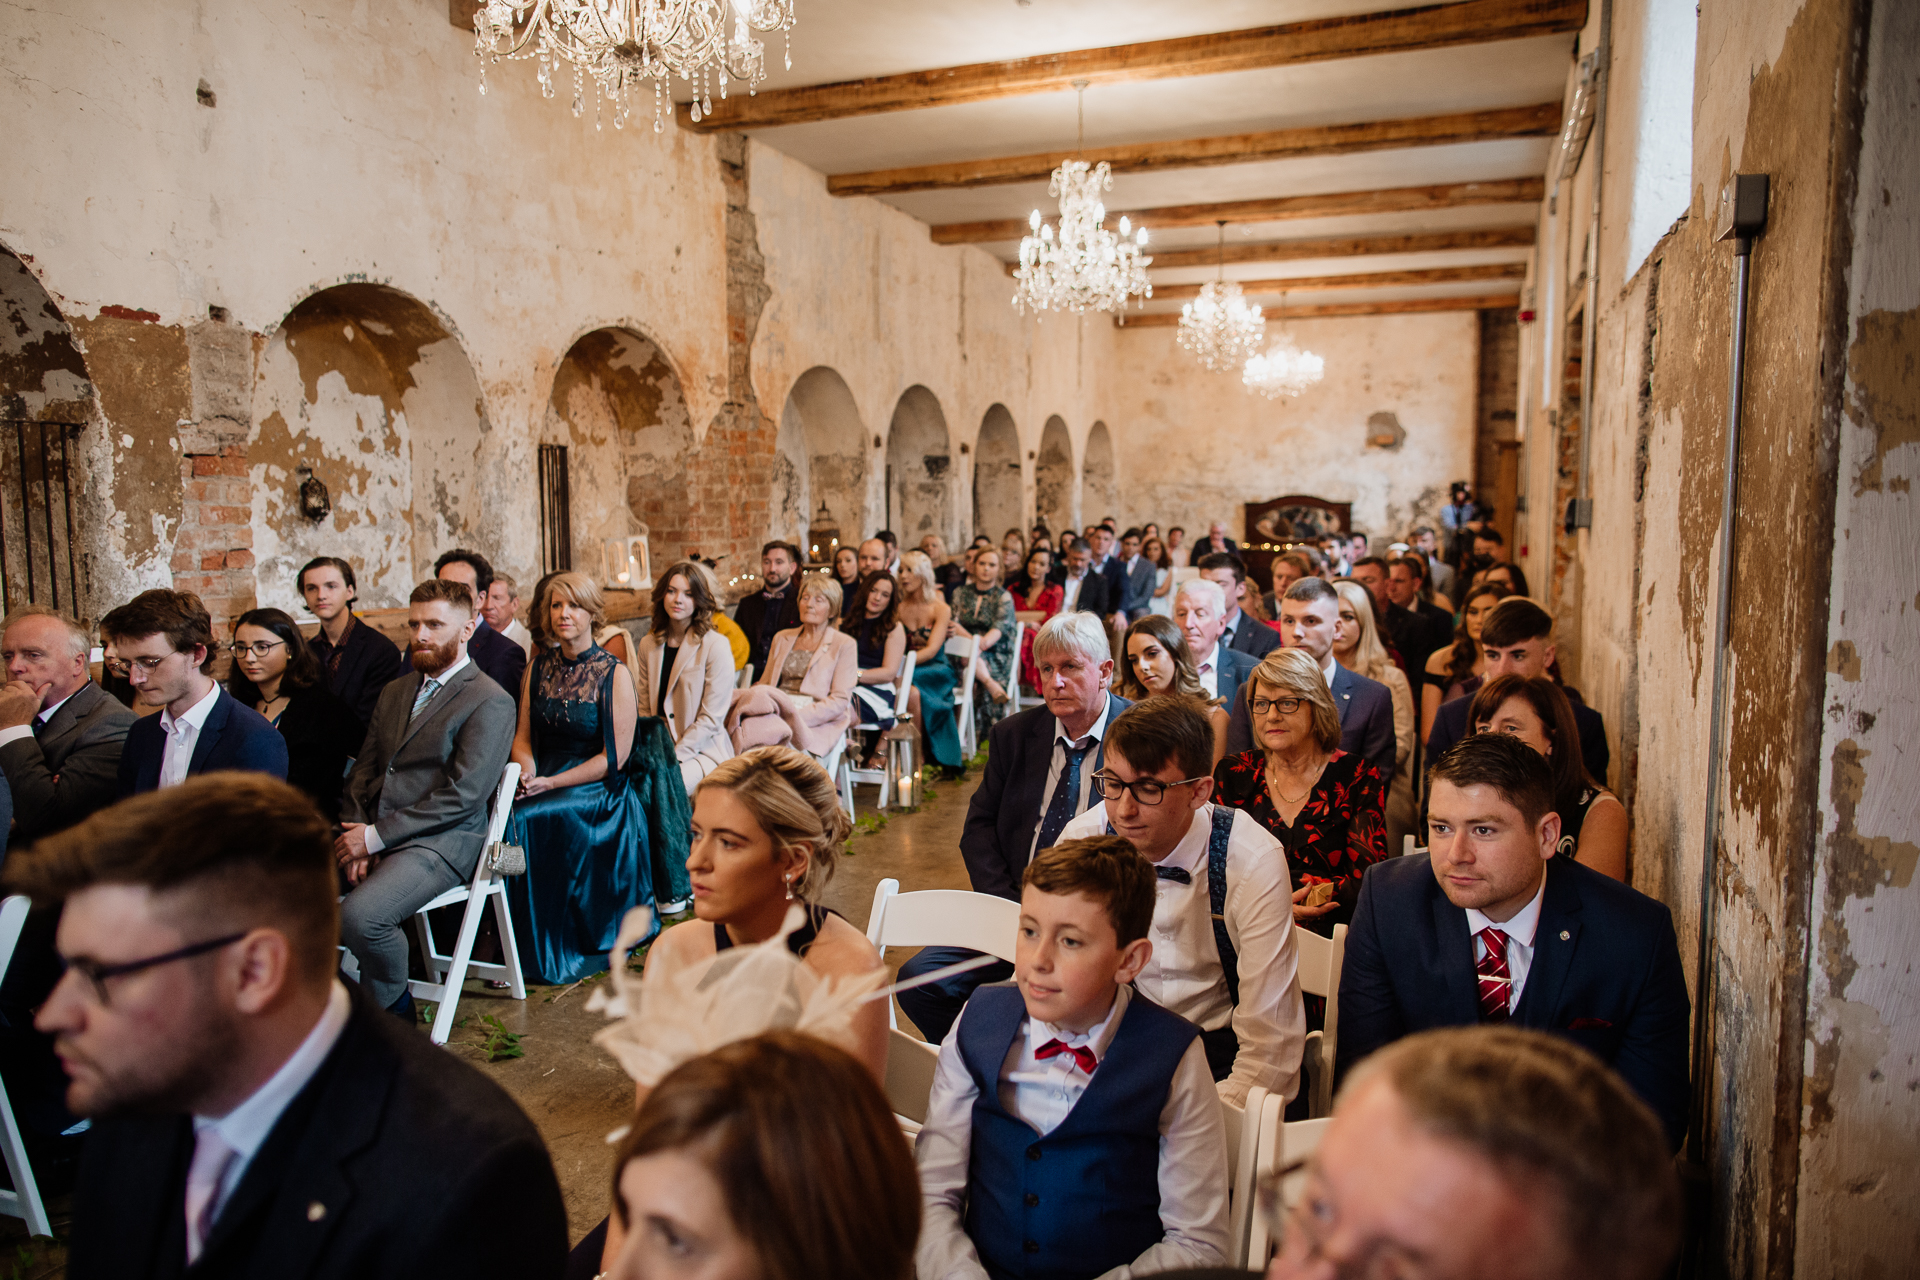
415 809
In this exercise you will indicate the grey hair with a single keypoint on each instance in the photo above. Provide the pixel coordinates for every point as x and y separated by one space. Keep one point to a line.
1079 633
1205 587
79 643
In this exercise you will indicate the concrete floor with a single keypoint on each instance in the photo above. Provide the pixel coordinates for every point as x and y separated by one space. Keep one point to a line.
572 1089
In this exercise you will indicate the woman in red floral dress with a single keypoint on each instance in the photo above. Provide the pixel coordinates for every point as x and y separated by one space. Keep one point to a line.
1032 593
1326 806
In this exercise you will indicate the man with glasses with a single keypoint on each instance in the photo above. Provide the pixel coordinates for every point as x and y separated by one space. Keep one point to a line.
1223 954
161 642
252 1117
1477 1154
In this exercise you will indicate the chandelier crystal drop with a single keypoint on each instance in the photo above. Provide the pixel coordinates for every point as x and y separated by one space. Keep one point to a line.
1221 327
1283 370
1084 266
627 46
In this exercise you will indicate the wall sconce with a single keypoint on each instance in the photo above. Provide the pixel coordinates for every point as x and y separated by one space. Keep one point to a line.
315 503
628 566
823 539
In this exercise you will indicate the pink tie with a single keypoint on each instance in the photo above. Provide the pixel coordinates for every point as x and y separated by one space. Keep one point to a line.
211 1157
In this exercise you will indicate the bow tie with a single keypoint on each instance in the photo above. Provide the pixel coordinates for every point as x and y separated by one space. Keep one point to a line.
1176 874
1081 1054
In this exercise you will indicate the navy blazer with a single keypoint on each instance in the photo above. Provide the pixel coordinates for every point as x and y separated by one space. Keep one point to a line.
1366 721
1095 593
1236 668
1254 638
1606 974
1450 725
497 657
997 840
1115 572
233 737
368 660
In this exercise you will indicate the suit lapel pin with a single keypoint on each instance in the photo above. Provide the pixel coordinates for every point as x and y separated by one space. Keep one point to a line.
316 1211
1564 935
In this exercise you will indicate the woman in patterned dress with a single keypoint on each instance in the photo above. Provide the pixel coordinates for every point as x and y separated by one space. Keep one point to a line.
982 607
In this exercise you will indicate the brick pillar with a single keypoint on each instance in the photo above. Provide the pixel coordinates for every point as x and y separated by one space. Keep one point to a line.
213 554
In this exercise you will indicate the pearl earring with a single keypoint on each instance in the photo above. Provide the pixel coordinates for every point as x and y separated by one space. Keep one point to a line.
789 880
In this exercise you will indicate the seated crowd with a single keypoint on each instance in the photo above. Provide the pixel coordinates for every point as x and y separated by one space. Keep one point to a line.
1181 774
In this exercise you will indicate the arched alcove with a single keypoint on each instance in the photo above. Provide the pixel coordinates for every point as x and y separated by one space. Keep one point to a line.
922 482
364 385
1099 491
1053 478
822 446
46 402
997 505
617 406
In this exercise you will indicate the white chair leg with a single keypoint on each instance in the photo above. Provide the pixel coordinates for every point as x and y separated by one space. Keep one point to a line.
24 1200
431 958
510 950
456 973
845 774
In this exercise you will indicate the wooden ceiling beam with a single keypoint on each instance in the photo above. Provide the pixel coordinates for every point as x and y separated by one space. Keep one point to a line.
1447 195
1539 120
1347 247
1437 26
1408 306
1358 280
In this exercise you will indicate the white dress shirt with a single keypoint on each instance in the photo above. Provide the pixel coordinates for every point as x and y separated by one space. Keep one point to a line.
1519 930
1209 669
20 731
1071 592
1184 972
246 1127
1057 766
1193 1152
375 843
182 735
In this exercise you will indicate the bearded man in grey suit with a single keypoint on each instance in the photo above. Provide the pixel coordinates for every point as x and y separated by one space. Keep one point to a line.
415 808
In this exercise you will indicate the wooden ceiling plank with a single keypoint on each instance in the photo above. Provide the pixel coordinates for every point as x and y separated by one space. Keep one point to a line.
1436 26
1541 119
1359 280
1446 195
1407 306
1348 247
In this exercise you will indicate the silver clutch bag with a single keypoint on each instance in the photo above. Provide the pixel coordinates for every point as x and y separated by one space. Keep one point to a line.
506 859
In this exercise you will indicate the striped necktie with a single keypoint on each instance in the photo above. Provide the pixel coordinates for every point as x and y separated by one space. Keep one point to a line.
427 689
1495 981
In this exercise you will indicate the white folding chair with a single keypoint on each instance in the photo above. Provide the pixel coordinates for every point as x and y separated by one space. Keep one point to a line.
967 647
745 678
831 760
1022 699
1296 1140
24 1200
910 1068
941 918
1408 848
448 973
1243 1139
851 775
1267 1156
1320 961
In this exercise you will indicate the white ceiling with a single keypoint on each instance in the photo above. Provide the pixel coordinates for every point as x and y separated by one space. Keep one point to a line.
837 40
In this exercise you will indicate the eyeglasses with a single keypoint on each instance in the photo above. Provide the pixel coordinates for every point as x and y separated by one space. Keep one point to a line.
121 666
1304 1227
97 973
1146 791
1285 706
259 648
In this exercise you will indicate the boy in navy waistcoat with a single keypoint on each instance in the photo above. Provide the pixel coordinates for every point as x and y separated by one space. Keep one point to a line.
1074 1130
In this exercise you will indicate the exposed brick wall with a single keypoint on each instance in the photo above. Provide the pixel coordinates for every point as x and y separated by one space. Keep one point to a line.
213 551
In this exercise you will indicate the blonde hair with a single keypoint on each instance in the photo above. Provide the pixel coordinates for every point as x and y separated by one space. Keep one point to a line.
581 591
824 585
919 566
1294 672
1369 655
794 801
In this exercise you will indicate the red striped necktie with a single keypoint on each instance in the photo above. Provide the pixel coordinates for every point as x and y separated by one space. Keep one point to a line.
1495 981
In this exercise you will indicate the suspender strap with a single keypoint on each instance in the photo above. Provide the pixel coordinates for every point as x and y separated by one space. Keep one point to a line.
1217 895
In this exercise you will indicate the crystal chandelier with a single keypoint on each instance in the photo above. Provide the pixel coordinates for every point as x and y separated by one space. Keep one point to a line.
1085 267
622 45
1220 326
1284 369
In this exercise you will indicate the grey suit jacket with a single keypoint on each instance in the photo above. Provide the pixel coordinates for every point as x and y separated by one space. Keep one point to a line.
1140 585
72 769
426 784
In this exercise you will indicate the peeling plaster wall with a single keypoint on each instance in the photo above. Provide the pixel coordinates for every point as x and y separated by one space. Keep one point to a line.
1099 485
997 490
1236 447
925 496
1056 493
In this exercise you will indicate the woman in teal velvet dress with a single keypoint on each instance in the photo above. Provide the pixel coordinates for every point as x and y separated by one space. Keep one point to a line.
577 815
925 614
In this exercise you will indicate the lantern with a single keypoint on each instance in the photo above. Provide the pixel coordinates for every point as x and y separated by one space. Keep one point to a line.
823 539
902 762
627 564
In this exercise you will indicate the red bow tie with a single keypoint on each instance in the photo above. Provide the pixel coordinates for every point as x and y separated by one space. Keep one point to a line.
1081 1054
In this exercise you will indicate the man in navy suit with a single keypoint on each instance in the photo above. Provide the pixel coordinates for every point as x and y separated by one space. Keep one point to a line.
1491 927
497 657
1040 767
161 642
1113 571
1140 575
1199 610
1083 586
1309 619
1518 641
1237 628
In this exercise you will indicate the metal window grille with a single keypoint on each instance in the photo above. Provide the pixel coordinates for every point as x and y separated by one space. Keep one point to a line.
556 504
39 562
